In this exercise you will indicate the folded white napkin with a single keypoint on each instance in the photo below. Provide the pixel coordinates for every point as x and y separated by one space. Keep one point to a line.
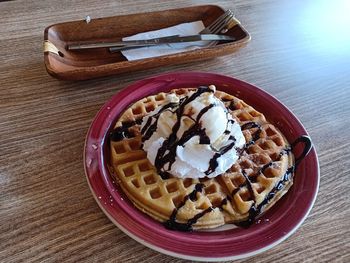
166 49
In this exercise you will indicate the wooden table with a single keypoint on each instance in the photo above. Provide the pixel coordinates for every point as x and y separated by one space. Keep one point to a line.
299 52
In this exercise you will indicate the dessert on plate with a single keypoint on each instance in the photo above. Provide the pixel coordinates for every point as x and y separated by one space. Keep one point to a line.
199 158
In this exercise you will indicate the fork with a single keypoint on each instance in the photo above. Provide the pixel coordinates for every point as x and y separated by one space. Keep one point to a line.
221 25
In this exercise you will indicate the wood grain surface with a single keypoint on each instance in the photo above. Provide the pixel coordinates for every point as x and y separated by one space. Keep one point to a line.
299 52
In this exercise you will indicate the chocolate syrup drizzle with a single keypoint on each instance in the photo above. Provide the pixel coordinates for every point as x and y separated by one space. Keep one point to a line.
256 135
188 226
254 211
232 106
167 152
213 163
150 127
123 131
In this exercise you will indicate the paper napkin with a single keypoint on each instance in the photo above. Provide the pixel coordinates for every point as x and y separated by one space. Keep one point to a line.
166 49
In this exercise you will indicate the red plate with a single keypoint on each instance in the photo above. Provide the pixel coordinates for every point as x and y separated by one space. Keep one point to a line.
272 228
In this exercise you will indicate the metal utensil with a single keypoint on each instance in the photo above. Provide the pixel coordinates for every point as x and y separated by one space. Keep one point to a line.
153 42
221 25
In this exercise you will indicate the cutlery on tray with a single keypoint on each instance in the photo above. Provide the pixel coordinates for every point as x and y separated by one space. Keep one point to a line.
211 33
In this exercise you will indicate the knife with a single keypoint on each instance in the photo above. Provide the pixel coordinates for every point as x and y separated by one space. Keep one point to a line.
151 42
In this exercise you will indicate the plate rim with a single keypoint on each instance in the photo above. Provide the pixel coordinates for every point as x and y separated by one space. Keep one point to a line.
173 253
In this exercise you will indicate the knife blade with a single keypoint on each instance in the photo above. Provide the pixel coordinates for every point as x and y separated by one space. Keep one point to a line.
151 42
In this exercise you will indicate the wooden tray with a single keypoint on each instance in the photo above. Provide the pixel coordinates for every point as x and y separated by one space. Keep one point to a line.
93 63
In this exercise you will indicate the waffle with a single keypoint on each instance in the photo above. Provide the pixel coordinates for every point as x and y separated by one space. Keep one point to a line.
260 177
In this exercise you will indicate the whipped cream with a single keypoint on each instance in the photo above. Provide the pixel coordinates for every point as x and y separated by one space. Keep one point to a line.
193 136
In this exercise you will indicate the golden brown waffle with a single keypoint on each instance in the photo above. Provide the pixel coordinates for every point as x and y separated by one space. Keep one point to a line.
261 176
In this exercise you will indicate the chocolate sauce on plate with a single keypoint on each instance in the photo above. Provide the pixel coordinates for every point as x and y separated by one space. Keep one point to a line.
254 211
150 127
188 226
255 135
166 154
123 131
